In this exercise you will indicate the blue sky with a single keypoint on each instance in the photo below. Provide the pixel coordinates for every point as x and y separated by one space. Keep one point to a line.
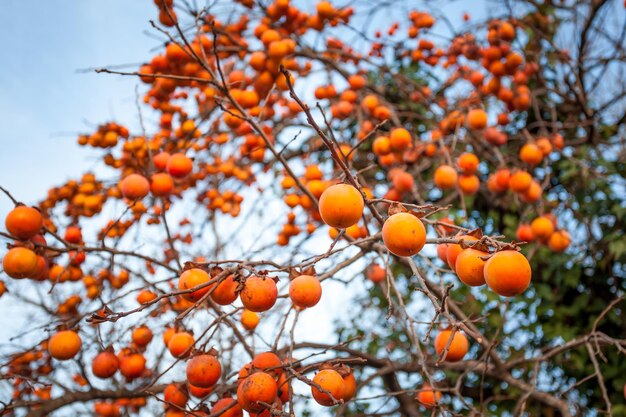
45 102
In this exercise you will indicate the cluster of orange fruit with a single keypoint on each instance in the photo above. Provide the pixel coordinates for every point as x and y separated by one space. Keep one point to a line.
543 229
450 346
167 15
391 149
257 293
506 272
228 202
146 168
264 380
314 182
119 406
203 370
291 229
26 257
24 366
446 177
106 136
85 197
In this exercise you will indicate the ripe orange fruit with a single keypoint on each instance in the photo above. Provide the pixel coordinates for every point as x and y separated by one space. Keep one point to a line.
199 392
167 335
313 172
20 262
267 362
283 387
469 267
169 20
161 184
105 365
160 160
399 139
305 291
454 249
107 409
403 181
259 386
558 141
180 344
445 177
192 278
341 206
133 365
469 184
249 319
145 296
508 273
428 397
442 252
43 268
542 228
349 387
73 234
495 136
170 412
141 336
226 291
332 382
545 145
58 273
203 371
370 102
467 163
259 294
227 404
179 165
404 234
244 372
356 81
317 187
506 31
376 273
135 187
533 193
525 233
531 154
281 82
458 347
381 146
476 119
503 178
559 241
520 181
23 222
492 184
176 395
64 345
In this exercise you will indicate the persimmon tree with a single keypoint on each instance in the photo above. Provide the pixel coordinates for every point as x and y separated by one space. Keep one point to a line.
458 186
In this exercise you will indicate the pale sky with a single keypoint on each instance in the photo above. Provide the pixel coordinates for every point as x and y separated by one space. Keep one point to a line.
44 101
